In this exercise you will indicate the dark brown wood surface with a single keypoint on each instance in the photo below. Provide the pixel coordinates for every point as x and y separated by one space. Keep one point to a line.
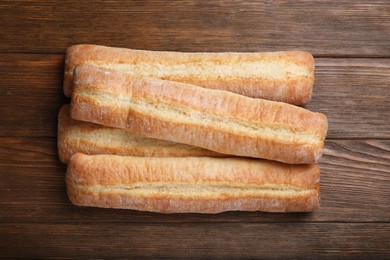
351 44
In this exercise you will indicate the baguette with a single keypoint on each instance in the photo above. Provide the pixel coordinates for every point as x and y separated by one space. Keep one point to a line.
88 138
216 120
192 184
286 76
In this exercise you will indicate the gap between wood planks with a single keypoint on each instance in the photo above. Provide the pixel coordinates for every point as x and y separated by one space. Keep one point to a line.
317 56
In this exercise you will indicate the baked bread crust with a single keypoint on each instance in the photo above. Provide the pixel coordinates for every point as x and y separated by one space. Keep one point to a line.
216 120
192 184
82 137
286 76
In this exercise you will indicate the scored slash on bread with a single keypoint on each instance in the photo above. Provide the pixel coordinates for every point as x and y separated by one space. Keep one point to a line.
82 137
286 76
216 120
192 184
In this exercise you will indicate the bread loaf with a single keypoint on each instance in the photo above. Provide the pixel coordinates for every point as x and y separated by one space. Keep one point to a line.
216 120
82 137
286 76
192 184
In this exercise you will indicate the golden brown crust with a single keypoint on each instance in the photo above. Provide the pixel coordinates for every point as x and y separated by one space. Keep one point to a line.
82 137
286 76
212 119
200 185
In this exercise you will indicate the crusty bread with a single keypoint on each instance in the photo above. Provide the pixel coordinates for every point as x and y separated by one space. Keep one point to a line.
82 137
286 76
192 184
216 120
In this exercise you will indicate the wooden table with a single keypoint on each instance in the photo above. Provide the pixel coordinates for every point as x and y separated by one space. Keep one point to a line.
351 43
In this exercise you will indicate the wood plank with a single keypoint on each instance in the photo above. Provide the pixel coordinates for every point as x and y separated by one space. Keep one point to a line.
326 28
354 187
198 240
353 93
30 94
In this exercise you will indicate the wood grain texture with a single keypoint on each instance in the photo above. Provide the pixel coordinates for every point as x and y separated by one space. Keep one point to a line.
326 28
350 41
30 94
353 93
238 240
354 187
